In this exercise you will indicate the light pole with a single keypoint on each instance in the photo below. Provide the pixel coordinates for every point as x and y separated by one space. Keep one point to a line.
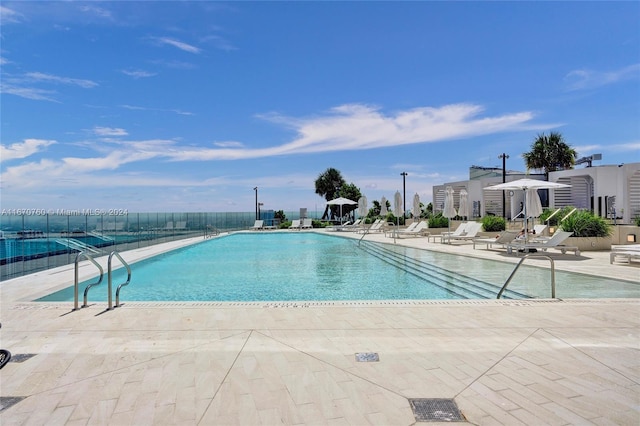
504 179
257 214
404 193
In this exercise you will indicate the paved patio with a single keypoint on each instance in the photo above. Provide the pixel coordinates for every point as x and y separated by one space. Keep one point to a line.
502 362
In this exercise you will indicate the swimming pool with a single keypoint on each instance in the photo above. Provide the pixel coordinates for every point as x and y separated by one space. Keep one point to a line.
284 266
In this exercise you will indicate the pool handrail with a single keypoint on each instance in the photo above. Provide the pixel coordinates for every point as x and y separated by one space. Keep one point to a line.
109 276
75 281
553 274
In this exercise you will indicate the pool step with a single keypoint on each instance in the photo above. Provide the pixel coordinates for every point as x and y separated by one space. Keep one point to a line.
454 282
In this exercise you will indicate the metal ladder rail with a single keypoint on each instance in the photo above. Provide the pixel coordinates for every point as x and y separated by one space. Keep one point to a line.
75 281
109 280
553 274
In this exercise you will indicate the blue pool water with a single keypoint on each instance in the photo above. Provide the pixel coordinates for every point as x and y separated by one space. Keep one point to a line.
275 266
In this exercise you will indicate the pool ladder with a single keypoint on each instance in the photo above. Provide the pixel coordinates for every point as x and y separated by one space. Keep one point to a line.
83 254
525 257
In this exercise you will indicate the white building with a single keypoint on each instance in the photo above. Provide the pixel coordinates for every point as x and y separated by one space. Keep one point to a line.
611 191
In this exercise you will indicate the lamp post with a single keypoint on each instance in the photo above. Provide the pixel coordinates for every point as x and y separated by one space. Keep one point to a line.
404 193
504 179
257 214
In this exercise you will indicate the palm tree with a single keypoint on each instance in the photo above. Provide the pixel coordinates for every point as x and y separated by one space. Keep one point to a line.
550 153
328 186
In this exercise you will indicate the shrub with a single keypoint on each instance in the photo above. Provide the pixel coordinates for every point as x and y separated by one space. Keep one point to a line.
494 224
438 221
583 223
637 220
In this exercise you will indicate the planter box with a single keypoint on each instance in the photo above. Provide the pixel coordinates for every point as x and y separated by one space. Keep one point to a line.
590 243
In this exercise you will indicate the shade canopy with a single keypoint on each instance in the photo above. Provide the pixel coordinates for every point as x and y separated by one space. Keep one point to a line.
525 184
532 208
341 201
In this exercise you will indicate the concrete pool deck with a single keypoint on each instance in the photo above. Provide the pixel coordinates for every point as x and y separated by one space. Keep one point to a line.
502 362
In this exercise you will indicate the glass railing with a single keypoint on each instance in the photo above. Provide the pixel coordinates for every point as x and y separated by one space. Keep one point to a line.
35 241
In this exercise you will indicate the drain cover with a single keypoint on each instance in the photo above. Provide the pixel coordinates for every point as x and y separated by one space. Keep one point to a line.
8 401
367 357
21 357
435 410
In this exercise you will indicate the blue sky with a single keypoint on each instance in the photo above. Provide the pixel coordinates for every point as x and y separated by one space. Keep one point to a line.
187 106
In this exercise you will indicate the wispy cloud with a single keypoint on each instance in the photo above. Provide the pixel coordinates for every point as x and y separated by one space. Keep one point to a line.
179 44
109 131
590 79
39 76
219 42
360 127
139 73
139 108
9 16
23 149
96 11
27 92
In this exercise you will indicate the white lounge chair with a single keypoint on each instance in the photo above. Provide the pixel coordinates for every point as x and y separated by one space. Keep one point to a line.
306 224
420 230
458 231
625 253
556 242
470 232
504 238
295 224
258 225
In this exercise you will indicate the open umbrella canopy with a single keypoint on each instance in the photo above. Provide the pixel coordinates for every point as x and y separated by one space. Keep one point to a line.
341 201
463 208
530 188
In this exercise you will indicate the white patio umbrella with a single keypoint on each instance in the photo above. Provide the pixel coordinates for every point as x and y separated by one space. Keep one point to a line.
463 208
449 211
416 211
526 185
341 201
383 206
533 206
362 206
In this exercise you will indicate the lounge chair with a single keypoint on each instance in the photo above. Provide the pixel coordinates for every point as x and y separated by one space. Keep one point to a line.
625 253
504 238
295 224
539 229
348 226
306 224
420 230
470 232
258 225
556 242
458 231
377 226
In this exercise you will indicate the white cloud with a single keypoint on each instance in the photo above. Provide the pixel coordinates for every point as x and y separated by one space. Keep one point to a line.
139 73
27 92
23 149
9 16
590 79
360 127
229 144
180 45
39 76
109 131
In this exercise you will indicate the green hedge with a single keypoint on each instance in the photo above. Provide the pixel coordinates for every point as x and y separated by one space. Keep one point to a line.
494 223
583 223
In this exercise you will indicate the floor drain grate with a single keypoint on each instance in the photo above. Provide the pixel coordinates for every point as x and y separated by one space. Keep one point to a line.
435 410
21 357
367 357
8 401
